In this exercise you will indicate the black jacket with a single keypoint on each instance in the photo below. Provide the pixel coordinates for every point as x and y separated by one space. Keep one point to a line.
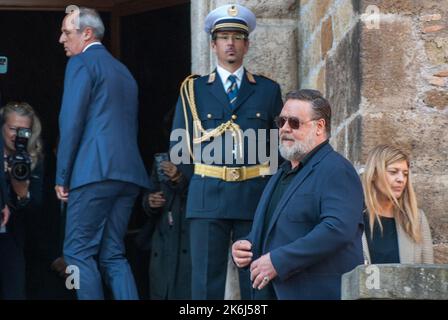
170 264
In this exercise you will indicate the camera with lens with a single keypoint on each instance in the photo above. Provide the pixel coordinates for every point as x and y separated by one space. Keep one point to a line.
20 160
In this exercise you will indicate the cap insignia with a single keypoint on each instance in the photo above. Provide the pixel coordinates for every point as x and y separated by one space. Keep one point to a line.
233 11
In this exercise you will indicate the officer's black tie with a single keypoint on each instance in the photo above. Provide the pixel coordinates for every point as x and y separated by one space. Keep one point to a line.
232 91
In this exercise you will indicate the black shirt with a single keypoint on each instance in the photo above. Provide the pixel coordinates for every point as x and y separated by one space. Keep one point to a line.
383 248
283 183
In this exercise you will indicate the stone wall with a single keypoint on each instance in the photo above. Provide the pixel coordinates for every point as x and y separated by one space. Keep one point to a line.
405 99
329 62
386 77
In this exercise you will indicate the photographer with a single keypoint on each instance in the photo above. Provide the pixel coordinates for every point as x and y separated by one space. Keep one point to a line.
23 169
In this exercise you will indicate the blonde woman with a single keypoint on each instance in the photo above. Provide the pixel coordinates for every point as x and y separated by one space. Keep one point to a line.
22 115
21 129
396 231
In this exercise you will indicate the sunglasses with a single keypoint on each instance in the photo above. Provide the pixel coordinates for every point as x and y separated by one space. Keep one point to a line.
293 122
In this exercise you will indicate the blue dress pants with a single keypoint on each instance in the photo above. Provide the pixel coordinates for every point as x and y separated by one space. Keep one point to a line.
97 221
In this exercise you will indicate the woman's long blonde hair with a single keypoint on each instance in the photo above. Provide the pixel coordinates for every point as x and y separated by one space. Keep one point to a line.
405 208
23 109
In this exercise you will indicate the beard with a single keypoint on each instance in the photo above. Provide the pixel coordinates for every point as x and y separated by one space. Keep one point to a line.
299 149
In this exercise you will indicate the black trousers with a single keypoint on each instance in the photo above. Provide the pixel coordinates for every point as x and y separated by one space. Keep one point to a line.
12 268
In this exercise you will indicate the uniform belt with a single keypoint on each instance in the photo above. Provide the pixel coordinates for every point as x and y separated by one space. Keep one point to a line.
232 174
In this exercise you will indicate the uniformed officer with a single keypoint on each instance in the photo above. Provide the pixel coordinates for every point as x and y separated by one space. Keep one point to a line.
224 190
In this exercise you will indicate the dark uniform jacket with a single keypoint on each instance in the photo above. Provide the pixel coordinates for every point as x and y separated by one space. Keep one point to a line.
258 103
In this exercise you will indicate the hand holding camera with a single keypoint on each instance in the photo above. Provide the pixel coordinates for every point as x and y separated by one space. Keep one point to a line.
166 170
159 158
19 162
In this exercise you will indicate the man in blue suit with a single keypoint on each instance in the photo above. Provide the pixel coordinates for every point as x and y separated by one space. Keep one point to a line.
224 189
308 224
99 168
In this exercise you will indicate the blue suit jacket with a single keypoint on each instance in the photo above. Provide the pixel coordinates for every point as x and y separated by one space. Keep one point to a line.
257 104
98 122
315 232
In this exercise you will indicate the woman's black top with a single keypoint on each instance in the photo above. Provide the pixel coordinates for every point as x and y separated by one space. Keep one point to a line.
383 248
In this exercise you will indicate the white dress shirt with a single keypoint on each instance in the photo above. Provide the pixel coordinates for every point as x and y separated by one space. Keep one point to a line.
92 44
224 75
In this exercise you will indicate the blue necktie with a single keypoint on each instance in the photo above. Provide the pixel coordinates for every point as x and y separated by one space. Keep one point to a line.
232 91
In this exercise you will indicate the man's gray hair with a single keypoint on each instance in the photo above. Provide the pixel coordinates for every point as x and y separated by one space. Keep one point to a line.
90 18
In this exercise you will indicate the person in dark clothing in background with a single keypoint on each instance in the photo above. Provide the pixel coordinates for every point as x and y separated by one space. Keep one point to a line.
24 196
170 262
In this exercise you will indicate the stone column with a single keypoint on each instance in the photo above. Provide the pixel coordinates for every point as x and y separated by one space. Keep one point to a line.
273 53
200 40
396 281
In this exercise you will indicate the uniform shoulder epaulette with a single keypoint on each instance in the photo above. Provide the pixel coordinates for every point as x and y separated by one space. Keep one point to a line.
193 76
250 77
188 81
211 77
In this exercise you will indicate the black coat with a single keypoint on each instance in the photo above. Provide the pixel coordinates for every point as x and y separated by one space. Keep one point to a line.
170 264
23 223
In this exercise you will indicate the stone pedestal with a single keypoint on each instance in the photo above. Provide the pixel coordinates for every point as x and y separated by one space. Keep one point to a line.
396 281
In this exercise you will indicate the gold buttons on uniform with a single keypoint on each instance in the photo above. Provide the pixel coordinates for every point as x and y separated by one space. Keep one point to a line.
234 117
209 116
